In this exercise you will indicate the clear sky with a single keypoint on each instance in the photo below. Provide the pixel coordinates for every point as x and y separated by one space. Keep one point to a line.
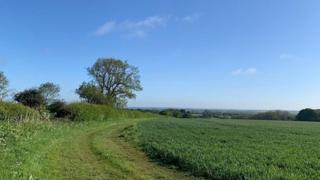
248 54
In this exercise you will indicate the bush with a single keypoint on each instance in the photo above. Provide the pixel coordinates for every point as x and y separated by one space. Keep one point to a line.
308 115
59 109
17 112
31 97
92 112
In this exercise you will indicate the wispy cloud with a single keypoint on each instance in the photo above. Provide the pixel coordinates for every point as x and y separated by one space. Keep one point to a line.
141 28
138 34
245 71
132 28
105 28
191 18
149 22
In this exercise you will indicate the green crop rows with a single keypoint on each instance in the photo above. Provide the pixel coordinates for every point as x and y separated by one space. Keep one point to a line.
235 149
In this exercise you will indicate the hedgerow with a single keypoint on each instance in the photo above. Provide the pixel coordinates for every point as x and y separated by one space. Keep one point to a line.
92 112
17 112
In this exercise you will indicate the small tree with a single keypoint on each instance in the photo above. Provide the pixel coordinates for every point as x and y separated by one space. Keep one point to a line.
59 109
113 79
49 91
31 97
91 94
3 86
308 115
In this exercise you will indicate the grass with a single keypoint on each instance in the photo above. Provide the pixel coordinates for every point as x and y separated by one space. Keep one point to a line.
17 112
33 147
74 150
93 145
235 149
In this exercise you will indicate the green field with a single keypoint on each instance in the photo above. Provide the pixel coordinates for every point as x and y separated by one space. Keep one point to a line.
235 149
214 149
74 150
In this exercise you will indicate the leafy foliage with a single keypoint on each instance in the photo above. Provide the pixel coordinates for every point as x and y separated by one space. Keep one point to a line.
308 115
49 91
92 94
17 112
17 145
92 112
30 97
114 79
3 86
59 109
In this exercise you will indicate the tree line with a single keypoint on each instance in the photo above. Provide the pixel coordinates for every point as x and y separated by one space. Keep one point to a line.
113 82
303 115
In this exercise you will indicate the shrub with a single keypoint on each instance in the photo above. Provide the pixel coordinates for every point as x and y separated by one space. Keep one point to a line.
308 115
92 112
17 112
59 109
31 97
91 94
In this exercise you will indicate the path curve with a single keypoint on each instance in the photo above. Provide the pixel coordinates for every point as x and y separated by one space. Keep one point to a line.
100 153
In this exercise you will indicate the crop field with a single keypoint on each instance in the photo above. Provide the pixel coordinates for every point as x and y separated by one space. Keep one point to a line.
235 149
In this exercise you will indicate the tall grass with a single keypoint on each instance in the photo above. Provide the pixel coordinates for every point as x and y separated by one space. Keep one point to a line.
25 137
17 112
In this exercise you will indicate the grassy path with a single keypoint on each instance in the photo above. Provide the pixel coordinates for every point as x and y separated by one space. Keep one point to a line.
99 153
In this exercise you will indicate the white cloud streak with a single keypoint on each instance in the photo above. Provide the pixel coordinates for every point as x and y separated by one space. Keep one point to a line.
191 18
247 71
140 28
105 28
131 28
149 22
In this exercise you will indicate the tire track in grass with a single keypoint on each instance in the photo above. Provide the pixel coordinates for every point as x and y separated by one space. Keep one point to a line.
73 159
99 153
130 162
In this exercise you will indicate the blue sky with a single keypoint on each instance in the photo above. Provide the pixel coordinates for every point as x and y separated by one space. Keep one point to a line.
249 54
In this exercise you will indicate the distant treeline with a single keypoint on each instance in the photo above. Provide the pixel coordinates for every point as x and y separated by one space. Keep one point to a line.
183 113
177 113
303 115
269 115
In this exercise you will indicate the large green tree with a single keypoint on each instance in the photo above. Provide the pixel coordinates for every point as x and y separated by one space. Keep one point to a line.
30 97
113 79
3 86
308 115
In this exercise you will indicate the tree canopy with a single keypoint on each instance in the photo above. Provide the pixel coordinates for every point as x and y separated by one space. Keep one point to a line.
30 97
91 94
113 82
49 91
308 115
3 86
